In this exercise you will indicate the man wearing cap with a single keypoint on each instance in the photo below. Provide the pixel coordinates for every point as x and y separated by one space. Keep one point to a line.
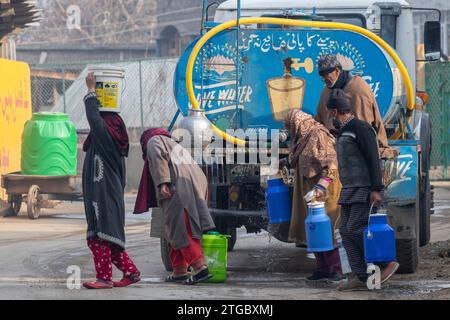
362 100
360 174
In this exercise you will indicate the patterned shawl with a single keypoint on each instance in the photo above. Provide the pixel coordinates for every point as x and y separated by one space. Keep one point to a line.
311 144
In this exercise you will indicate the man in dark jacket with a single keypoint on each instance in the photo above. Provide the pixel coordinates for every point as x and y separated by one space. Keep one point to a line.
362 186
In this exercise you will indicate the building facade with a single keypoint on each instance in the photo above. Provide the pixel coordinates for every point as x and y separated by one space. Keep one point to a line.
178 24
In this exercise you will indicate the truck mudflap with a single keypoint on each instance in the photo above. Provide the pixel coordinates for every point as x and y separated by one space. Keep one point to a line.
403 200
403 193
252 220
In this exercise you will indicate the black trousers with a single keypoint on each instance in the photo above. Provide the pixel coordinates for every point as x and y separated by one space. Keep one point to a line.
354 219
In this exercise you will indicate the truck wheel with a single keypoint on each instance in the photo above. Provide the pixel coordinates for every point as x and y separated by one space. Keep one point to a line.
407 255
232 241
231 231
15 201
424 214
33 203
425 203
164 245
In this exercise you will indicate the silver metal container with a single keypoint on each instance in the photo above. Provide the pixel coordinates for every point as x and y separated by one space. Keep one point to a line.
198 127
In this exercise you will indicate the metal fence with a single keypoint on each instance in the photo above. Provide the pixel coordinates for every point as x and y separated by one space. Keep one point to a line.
438 89
149 101
147 98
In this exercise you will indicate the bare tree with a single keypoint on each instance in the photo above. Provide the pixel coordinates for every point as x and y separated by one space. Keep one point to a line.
102 22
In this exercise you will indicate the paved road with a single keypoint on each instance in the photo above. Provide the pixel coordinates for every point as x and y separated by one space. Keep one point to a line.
36 255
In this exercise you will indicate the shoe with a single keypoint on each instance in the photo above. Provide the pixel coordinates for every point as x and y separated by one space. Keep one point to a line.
389 271
353 284
300 245
323 276
99 284
177 279
336 277
126 281
200 276
318 276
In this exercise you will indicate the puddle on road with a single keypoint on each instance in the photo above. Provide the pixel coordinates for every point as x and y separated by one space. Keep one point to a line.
152 280
440 208
413 288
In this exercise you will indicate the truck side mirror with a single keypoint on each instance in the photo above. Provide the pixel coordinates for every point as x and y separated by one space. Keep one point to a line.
432 40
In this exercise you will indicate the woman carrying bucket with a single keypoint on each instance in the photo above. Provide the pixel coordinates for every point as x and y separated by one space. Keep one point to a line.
103 189
314 158
172 180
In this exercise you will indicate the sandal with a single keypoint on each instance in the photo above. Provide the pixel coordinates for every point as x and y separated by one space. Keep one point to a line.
126 281
177 279
98 284
200 276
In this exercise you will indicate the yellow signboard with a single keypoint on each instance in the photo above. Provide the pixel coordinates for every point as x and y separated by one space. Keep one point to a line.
15 110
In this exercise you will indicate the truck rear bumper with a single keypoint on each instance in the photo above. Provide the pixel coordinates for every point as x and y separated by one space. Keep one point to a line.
238 218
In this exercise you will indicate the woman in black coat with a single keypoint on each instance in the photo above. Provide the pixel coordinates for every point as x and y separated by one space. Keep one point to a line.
103 189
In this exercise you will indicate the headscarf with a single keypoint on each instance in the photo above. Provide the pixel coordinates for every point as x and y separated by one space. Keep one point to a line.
311 144
146 197
116 129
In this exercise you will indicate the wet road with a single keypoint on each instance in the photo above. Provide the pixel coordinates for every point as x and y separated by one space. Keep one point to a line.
36 255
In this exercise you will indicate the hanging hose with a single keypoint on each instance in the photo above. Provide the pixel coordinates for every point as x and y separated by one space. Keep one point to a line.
290 22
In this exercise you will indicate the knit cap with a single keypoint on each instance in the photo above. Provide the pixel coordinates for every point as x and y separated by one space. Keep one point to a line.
338 100
328 63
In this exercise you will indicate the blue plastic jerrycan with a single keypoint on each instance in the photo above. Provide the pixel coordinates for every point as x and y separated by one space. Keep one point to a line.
279 202
319 234
379 240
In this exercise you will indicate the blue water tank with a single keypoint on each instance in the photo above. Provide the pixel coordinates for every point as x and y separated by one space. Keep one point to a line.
279 202
379 243
318 228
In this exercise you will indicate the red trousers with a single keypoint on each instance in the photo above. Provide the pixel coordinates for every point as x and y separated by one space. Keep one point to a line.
191 255
107 253
328 262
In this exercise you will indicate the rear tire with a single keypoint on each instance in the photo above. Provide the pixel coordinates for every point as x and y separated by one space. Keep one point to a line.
425 212
407 255
165 257
232 232
33 202
232 241
426 201
15 201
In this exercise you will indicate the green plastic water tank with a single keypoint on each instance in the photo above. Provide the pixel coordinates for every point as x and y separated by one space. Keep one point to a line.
215 247
49 145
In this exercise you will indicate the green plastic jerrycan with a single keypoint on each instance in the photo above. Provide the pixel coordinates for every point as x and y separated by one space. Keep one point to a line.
49 145
215 248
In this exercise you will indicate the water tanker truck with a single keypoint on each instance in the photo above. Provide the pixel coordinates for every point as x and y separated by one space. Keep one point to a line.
233 77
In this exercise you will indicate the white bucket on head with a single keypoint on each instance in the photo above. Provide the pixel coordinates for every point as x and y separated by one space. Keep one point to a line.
109 87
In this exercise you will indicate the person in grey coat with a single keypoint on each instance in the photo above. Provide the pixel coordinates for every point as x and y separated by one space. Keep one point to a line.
173 181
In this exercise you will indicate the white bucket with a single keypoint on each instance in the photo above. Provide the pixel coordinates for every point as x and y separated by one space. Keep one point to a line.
109 87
